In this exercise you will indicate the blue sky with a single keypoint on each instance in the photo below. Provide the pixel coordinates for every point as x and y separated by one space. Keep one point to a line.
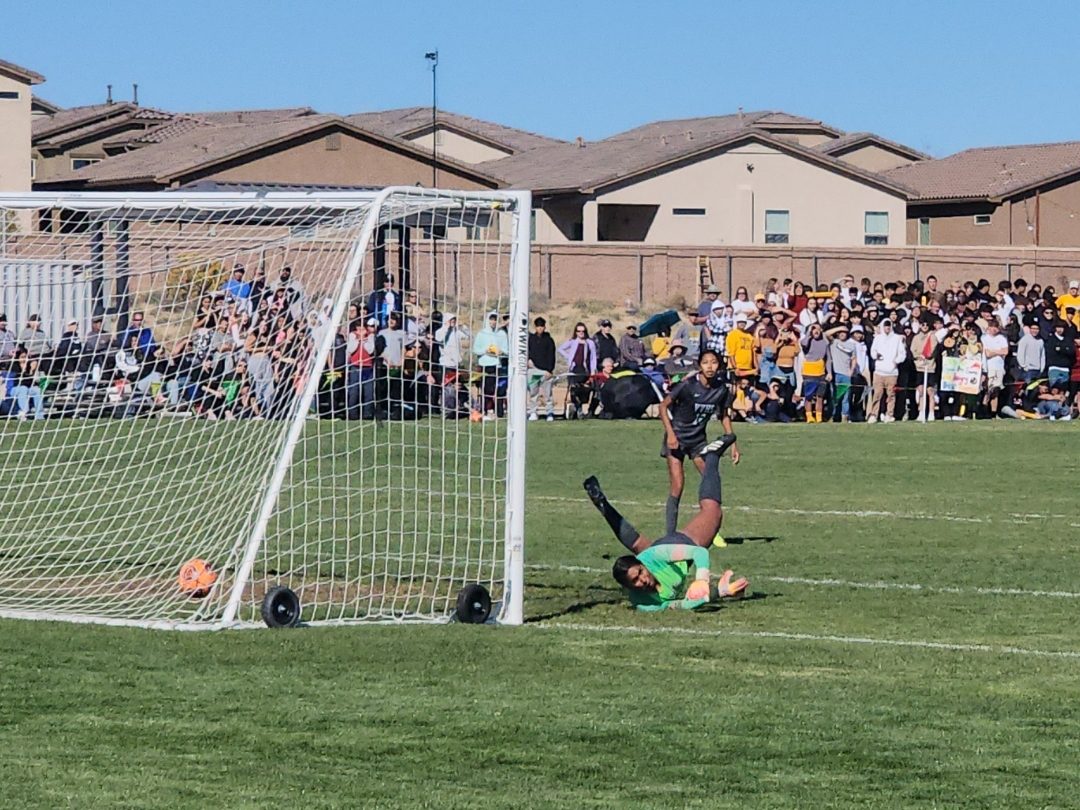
940 76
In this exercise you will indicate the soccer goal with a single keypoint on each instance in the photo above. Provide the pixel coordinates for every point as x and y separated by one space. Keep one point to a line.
265 406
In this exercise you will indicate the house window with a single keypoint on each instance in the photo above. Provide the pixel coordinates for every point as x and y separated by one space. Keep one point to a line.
80 163
876 228
924 230
33 168
9 94
532 225
982 219
777 227
688 212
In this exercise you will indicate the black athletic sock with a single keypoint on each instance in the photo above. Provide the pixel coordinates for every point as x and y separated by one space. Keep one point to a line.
671 513
626 533
710 478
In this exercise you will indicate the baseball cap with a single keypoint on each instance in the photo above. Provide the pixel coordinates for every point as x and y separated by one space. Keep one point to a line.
1074 284
649 362
712 289
605 322
857 328
493 314
372 322
759 296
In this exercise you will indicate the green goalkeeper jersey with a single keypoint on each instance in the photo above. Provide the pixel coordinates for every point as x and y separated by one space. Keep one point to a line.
675 566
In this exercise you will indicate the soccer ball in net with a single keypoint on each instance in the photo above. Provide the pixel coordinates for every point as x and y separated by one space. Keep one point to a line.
196 578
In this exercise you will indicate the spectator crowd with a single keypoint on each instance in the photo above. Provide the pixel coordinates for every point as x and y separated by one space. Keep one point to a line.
246 353
845 352
866 351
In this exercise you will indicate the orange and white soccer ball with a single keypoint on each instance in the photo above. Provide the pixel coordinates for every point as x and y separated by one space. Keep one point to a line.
196 578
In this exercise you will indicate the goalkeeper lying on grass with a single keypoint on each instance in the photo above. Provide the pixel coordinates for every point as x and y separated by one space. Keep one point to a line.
673 572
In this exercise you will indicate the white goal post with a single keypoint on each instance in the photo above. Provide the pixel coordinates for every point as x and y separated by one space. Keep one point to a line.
224 409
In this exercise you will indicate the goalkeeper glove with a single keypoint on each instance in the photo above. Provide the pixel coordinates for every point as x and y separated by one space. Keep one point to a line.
699 589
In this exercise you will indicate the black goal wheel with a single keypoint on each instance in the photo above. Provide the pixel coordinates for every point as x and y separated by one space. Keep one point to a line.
281 607
473 605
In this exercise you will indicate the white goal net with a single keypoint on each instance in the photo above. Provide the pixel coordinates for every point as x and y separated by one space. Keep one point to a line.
207 396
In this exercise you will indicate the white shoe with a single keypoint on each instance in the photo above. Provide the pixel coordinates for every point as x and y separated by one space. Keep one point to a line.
921 419
930 417
551 417
1067 418
886 419
871 419
489 417
533 417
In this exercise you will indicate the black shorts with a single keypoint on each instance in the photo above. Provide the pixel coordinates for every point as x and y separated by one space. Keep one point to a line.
684 450
675 539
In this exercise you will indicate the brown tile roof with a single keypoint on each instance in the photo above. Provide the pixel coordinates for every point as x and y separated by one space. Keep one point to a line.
573 168
75 117
162 161
407 120
206 145
854 140
100 126
714 124
181 123
994 172
250 116
45 104
21 73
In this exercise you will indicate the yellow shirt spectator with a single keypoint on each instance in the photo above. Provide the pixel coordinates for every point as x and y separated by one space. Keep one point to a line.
1070 299
739 346
661 347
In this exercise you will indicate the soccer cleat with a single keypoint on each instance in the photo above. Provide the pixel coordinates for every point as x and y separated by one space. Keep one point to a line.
725 588
719 541
718 446
592 489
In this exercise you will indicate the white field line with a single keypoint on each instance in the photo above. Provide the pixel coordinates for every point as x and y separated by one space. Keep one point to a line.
846 583
874 642
1015 517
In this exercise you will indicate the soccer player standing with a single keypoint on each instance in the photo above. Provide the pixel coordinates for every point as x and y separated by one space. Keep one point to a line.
685 412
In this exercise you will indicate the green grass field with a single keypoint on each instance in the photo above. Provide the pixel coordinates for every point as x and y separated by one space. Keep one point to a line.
911 643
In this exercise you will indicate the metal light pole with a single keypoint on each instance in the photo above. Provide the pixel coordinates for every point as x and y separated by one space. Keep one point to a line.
433 57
